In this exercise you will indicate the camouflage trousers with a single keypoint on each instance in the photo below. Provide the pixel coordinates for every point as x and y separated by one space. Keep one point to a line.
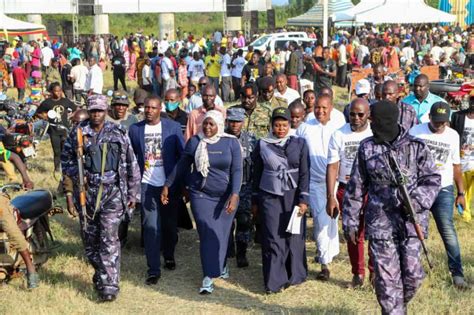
101 242
398 272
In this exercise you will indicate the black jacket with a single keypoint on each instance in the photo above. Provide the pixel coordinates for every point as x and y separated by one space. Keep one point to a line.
457 123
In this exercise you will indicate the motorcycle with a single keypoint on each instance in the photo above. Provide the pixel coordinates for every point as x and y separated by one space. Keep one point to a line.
456 93
32 211
19 134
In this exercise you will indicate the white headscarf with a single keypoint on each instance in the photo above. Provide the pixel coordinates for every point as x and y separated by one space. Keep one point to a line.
201 157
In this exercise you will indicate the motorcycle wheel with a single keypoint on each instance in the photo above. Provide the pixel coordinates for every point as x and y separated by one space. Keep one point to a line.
39 242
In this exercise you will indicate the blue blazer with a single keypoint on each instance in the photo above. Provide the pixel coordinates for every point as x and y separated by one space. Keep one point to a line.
172 143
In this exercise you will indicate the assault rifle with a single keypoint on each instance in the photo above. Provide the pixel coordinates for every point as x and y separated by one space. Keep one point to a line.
401 181
80 167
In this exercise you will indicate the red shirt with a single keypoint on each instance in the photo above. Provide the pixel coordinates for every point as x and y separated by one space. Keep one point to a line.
19 77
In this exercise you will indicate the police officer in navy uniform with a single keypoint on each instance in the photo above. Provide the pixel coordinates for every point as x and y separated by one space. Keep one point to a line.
243 217
112 188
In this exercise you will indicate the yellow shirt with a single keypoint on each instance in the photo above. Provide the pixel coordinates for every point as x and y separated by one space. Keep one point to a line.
148 46
213 67
224 42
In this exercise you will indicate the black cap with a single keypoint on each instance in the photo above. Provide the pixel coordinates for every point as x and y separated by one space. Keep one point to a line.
281 112
440 112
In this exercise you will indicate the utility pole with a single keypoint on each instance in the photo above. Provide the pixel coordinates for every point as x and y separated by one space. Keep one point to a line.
325 22
75 21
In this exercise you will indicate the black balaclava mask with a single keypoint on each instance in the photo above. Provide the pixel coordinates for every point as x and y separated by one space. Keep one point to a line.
384 121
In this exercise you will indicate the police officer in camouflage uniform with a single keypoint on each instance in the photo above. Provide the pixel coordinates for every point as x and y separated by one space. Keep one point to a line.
235 121
266 87
112 188
393 242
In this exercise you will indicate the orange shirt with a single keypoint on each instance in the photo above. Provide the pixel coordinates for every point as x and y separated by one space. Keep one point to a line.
195 119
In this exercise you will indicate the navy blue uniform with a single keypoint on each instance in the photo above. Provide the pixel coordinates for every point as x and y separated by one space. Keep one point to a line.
278 186
209 196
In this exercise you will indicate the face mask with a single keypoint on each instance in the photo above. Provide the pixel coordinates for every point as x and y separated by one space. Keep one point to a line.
170 106
141 109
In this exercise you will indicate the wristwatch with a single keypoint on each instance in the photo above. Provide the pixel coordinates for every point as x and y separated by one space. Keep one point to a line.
461 194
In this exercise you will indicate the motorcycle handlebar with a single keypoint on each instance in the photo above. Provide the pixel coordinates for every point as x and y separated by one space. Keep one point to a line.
13 187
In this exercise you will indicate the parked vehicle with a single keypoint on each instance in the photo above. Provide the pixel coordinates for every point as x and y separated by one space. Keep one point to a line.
32 211
264 41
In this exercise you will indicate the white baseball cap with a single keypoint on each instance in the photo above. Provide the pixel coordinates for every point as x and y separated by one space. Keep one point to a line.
362 87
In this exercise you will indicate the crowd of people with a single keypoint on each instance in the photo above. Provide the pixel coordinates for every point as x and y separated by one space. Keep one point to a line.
252 139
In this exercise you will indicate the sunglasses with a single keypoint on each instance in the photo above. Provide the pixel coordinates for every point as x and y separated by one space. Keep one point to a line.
360 115
202 84
120 97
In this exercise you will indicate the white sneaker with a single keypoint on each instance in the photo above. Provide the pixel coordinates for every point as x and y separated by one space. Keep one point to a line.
207 286
225 273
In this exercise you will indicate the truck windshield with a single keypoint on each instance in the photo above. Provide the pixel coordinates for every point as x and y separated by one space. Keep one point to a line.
260 41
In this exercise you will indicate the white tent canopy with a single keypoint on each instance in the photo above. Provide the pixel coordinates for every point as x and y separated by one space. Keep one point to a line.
363 5
314 17
10 25
403 12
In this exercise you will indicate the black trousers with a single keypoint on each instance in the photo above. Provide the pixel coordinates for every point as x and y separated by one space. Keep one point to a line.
119 76
236 87
57 142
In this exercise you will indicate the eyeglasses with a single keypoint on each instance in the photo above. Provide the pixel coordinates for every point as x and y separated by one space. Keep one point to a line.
360 115
202 84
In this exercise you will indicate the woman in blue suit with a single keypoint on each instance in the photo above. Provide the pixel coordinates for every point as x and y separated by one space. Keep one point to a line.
214 185
281 182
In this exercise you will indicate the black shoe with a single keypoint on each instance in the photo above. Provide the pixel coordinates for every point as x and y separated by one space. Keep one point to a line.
323 275
357 282
96 281
170 264
460 284
107 297
242 262
151 280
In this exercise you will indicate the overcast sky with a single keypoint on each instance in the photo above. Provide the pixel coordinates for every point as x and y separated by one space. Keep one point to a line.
279 2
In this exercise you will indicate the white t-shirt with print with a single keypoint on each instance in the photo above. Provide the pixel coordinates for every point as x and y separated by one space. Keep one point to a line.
444 148
238 65
343 148
196 67
467 146
290 95
154 171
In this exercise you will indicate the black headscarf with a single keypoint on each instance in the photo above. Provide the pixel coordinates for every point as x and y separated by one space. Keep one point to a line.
384 121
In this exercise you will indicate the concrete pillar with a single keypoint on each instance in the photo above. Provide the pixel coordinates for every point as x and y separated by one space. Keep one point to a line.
233 23
101 24
34 18
166 25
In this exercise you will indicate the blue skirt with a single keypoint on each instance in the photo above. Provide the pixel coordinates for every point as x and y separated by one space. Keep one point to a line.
213 226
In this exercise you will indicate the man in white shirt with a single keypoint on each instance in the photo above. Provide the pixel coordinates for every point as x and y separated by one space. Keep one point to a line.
317 133
336 115
343 148
95 78
436 52
48 54
158 144
196 68
226 79
443 143
408 53
342 64
196 100
362 51
78 75
283 91
167 73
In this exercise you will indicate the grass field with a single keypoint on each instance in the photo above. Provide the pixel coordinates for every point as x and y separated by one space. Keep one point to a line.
66 278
